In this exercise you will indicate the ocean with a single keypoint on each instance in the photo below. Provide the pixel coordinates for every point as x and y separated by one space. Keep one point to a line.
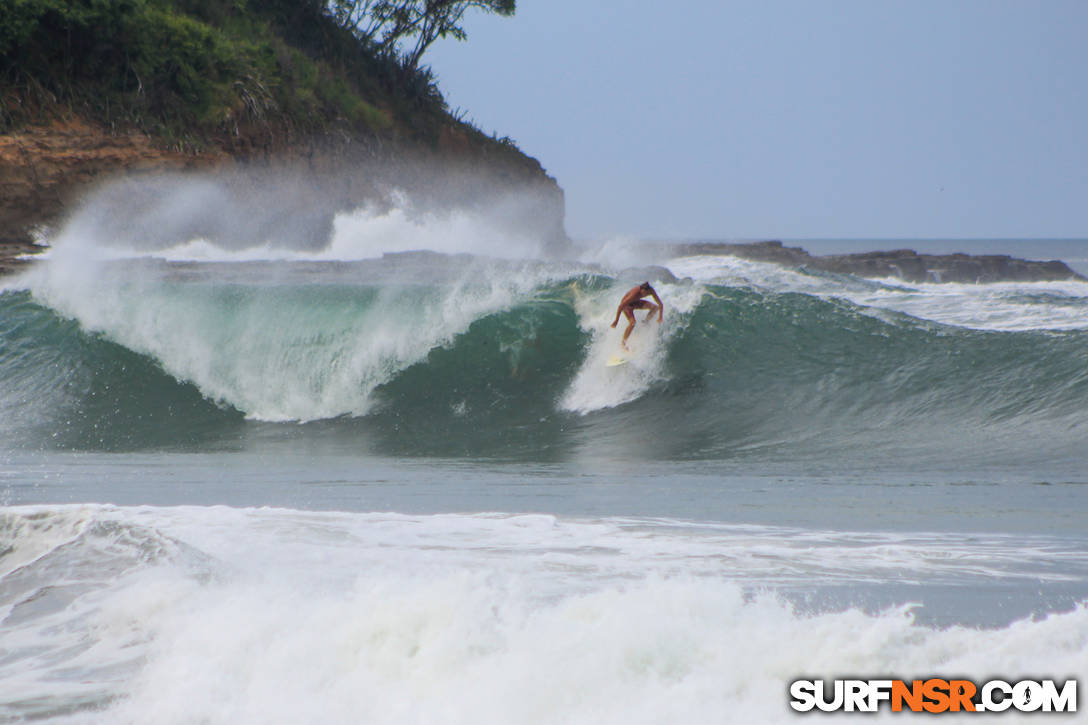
389 479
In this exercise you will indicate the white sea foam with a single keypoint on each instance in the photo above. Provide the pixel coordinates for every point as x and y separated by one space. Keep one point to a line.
370 232
342 618
367 233
32 537
597 386
1000 306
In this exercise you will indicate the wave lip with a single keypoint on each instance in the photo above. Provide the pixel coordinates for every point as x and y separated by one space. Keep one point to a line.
282 352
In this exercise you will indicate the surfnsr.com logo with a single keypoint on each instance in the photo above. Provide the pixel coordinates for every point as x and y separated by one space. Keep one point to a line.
934 695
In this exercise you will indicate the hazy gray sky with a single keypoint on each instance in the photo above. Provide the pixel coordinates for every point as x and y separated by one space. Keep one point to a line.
791 118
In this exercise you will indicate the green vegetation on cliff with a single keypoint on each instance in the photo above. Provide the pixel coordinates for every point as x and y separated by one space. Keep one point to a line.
193 73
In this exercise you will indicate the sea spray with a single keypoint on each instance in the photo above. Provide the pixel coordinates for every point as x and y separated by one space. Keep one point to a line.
281 214
371 231
367 232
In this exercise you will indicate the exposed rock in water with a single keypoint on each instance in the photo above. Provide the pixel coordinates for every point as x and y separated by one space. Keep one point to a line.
14 253
904 264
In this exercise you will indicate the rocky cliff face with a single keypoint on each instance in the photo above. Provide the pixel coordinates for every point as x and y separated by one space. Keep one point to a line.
46 170
904 264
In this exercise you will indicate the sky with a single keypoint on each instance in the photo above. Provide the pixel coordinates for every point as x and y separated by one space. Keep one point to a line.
790 119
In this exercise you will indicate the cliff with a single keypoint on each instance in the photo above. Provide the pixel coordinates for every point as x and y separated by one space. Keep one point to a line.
231 87
44 170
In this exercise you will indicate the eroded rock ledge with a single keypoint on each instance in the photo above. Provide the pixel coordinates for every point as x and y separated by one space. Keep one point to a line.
904 264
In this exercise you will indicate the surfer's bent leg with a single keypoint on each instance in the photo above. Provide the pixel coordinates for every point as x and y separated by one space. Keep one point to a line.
630 325
652 309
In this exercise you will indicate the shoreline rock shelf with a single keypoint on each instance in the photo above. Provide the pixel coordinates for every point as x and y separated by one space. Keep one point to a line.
904 264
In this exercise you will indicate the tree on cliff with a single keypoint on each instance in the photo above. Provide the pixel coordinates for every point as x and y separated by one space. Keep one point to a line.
387 24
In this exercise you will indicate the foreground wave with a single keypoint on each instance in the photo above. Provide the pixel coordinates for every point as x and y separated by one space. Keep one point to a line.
214 614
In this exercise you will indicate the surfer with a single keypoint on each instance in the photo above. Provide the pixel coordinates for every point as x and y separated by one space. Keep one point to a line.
635 300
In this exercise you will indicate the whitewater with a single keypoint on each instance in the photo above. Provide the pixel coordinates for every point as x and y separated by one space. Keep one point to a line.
388 478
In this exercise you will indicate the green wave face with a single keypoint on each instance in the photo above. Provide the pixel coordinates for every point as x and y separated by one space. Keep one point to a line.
795 372
65 388
509 367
